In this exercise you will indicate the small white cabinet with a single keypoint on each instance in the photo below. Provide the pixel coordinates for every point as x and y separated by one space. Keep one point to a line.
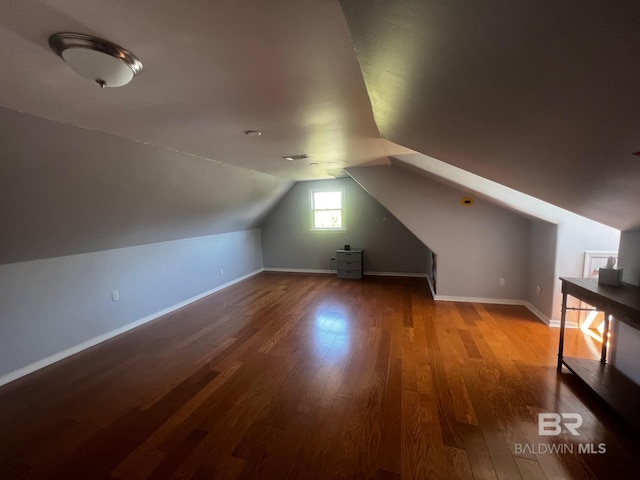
350 264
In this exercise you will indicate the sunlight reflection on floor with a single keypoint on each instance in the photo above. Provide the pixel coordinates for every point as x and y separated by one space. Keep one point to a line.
331 334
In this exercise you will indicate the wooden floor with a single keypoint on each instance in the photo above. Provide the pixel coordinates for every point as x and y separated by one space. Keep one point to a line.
312 377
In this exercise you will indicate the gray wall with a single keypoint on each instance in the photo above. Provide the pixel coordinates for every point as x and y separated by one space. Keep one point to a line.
66 190
475 245
57 304
625 351
567 242
84 213
542 266
575 236
288 241
629 256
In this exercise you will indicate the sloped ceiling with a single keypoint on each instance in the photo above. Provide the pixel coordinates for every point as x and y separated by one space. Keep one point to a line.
211 71
542 97
496 193
67 191
538 96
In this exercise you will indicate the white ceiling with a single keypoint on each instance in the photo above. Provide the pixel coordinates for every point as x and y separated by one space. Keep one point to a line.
539 96
543 97
211 71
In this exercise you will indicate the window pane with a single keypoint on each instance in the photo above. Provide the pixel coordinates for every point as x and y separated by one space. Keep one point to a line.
327 200
327 219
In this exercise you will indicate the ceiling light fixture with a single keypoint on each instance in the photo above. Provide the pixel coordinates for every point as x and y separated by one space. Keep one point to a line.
97 60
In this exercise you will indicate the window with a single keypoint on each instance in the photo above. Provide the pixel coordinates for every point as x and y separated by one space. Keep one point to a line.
327 210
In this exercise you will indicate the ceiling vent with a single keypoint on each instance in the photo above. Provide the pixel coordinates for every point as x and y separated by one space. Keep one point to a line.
291 158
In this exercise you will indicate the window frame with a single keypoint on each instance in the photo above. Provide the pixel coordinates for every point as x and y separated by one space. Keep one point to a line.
312 209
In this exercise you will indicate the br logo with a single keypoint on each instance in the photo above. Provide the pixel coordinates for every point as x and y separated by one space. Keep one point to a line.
550 424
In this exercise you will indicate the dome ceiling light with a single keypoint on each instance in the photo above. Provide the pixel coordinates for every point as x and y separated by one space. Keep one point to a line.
97 60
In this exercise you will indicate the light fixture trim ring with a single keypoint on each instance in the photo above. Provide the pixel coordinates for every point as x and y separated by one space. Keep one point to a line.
59 42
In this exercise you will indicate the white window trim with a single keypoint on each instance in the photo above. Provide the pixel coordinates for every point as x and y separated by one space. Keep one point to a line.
312 209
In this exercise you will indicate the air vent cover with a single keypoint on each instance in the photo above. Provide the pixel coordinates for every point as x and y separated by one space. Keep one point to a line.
301 156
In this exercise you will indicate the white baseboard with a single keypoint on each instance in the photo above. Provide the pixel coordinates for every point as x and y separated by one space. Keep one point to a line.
113 333
537 313
498 301
556 324
433 290
505 301
298 270
396 274
333 272
549 321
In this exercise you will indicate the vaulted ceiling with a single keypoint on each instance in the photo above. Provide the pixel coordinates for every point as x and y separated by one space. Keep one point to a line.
538 96
543 97
211 71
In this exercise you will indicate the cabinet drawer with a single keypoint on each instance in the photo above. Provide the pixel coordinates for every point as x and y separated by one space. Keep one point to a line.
349 256
349 265
350 273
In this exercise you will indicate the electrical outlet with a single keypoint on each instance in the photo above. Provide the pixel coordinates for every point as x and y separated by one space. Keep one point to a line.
501 282
115 295
221 271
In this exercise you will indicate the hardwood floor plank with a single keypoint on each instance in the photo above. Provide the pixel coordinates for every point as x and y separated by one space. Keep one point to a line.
174 458
446 413
414 446
320 453
496 442
389 451
385 475
458 462
469 344
530 469
182 418
551 465
478 452
314 377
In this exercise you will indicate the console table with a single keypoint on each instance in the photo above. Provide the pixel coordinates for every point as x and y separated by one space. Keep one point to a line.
622 304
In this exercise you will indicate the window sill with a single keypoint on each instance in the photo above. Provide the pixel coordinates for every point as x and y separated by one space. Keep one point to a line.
328 229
